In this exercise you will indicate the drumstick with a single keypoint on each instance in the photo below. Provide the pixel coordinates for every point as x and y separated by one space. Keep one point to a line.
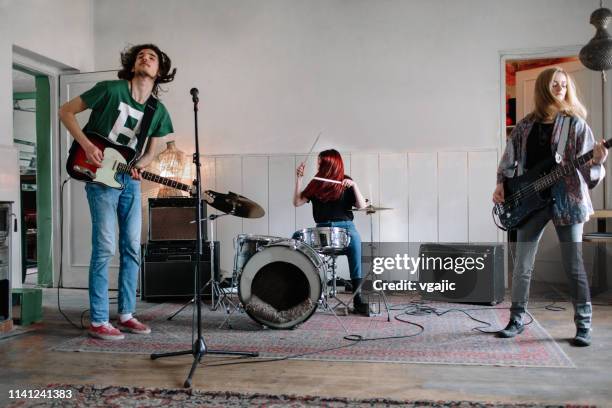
312 147
327 180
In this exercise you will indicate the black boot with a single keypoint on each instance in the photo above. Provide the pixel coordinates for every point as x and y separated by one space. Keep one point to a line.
359 305
583 337
583 315
513 328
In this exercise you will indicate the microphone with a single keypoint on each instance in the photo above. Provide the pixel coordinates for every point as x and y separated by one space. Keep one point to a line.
194 93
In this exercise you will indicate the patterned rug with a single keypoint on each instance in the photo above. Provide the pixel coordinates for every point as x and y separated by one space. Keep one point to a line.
445 339
102 397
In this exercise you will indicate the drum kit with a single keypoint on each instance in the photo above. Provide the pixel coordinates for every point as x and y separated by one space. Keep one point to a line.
280 282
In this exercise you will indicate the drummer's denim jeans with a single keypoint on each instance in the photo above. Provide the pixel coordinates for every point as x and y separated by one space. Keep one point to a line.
353 252
109 207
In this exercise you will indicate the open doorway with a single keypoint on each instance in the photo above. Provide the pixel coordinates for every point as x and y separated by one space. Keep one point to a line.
32 136
520 76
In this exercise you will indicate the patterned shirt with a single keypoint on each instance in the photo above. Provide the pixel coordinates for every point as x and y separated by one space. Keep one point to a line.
571 201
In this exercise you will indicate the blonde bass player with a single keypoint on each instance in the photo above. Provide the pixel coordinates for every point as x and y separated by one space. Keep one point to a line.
536 139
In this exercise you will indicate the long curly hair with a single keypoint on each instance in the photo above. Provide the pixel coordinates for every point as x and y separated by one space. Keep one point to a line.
547 106
331 167
128 60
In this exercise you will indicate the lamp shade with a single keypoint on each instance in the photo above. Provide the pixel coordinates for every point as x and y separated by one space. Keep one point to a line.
597 54
172 165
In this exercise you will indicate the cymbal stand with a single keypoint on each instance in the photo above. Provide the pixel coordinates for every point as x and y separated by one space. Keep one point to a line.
331 262
216 292
325 295
230 306
371 271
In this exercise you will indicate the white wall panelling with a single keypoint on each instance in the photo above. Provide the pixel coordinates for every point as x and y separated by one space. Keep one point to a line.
366 173
481 183
255 181
394 194
431 195
303 214
281 177
228 177
423 197
208 172
452 197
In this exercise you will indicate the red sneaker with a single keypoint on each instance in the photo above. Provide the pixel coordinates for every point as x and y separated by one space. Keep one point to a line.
105 332
134 326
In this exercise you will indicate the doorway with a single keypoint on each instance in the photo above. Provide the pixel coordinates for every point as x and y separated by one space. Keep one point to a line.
32 136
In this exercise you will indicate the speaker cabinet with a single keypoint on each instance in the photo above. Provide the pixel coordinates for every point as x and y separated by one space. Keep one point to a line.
173 219
168 270
480 280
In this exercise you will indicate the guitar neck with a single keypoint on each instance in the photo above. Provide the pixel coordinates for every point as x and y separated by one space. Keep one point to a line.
566 169
125 168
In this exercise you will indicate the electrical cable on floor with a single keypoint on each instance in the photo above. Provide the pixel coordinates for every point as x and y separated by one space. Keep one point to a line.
414 308
60 281
353 338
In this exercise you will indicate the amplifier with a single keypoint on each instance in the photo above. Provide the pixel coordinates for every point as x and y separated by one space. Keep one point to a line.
172 219
168 269
476 272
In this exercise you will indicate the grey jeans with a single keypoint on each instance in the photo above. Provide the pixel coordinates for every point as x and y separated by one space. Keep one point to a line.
570 239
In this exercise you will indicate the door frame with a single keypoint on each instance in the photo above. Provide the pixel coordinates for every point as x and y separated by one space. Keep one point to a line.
40 65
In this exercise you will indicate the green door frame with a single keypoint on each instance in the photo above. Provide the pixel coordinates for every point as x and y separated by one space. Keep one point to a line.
44 178
44 182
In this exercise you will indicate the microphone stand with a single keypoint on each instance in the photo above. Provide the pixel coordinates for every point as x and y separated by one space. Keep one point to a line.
199 348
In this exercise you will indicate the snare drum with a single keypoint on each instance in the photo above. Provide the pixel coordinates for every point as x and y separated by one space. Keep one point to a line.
327 240
281 284
247 245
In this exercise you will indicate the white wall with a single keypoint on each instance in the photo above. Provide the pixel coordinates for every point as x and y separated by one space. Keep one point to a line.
60 30
377 77
395 75
55 33
430 196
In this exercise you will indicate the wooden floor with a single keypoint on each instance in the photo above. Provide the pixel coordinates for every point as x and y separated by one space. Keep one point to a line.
27 362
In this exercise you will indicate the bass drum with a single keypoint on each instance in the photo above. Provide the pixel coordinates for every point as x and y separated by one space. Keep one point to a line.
281 285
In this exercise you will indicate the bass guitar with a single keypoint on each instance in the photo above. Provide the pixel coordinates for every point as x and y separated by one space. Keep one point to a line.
524 195
117 160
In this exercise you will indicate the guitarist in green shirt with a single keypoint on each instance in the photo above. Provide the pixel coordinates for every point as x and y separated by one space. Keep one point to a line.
118 115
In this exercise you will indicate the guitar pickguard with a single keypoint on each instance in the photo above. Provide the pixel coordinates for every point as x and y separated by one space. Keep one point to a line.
107 173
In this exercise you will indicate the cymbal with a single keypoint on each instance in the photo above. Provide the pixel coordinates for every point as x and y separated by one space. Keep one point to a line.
234 204
372 209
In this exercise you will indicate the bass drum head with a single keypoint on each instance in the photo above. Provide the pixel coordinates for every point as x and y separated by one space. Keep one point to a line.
280 286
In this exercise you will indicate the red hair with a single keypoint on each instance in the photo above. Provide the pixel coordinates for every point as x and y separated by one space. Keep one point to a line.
331 167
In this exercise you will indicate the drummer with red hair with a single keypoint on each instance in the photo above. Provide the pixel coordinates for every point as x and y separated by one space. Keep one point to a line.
333 194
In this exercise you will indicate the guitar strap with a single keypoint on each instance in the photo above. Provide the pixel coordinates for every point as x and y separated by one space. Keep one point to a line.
145 124
563 139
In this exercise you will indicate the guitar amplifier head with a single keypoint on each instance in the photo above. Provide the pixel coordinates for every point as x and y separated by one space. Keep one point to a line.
172 219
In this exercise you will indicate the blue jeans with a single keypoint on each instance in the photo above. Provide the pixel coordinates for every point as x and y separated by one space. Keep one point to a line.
570 239
107 207
353 252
